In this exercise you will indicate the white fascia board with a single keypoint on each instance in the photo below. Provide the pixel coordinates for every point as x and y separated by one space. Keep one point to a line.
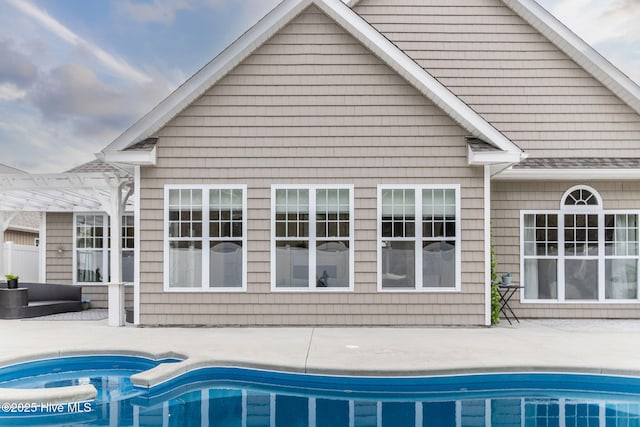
578 50
566 174
201 81
415 74
493 157
132 157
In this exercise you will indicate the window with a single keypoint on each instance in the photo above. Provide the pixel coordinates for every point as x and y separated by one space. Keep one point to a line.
92 248
541 255
580 253
205 244
91 251
419 237
312 237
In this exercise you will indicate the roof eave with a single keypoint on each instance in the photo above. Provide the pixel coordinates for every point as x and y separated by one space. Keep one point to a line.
518 174
132 157
493 157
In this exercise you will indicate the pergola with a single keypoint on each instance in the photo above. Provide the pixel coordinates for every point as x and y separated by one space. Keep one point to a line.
105 191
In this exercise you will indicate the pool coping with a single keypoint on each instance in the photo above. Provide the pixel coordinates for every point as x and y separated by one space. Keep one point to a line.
166 372
48 396
588 347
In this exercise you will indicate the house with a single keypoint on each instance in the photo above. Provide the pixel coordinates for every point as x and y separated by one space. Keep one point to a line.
23 228
352 164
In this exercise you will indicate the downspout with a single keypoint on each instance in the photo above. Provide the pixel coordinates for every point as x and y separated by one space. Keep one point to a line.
487 245
136 245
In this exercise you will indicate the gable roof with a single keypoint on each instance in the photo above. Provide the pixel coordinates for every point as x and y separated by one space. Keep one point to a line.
351 22
574 47
578 50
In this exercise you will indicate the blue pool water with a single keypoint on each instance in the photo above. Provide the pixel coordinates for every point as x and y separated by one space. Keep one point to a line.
226 396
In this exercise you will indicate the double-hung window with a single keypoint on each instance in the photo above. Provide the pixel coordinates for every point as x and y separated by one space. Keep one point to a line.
419 237
92 247
312 237
581 252
205 237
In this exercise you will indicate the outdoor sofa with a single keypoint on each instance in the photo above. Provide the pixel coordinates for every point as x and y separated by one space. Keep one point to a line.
39 299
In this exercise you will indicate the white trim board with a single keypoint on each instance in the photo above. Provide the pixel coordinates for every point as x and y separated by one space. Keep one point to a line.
566 174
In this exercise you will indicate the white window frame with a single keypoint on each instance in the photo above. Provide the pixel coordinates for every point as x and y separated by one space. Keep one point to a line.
105 247
418 237
312 238
561 257
205 239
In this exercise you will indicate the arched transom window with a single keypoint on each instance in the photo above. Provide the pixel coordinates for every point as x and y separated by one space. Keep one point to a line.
581 196
580 252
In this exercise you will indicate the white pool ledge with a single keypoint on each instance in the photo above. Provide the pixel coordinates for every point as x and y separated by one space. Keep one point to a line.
54 395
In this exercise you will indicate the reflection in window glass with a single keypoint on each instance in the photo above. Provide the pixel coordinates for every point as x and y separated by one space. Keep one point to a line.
581 279
621 278
332 413
398 264
621 261
90 265
332 264
185 263
291 411
225 264
292 264
398 213
225 407
225 231
540 277
439 264
439 233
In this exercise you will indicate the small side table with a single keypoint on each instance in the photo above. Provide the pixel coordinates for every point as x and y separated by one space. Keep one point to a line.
14 298
506 293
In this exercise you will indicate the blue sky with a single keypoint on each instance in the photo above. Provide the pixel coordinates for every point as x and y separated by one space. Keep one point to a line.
74 74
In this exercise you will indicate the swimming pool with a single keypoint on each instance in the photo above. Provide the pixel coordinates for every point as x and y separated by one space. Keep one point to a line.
230 396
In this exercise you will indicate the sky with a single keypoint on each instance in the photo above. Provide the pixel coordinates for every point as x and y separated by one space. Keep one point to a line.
75 74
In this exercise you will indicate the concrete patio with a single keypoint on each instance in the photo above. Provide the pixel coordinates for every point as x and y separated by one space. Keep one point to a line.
602 346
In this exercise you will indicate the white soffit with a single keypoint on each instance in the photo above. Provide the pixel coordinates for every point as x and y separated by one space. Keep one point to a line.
271 24
566 174
578 50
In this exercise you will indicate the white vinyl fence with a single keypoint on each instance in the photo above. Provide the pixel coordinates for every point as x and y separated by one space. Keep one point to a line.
22 261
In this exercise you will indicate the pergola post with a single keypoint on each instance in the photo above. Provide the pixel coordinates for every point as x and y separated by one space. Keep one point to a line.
119 193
